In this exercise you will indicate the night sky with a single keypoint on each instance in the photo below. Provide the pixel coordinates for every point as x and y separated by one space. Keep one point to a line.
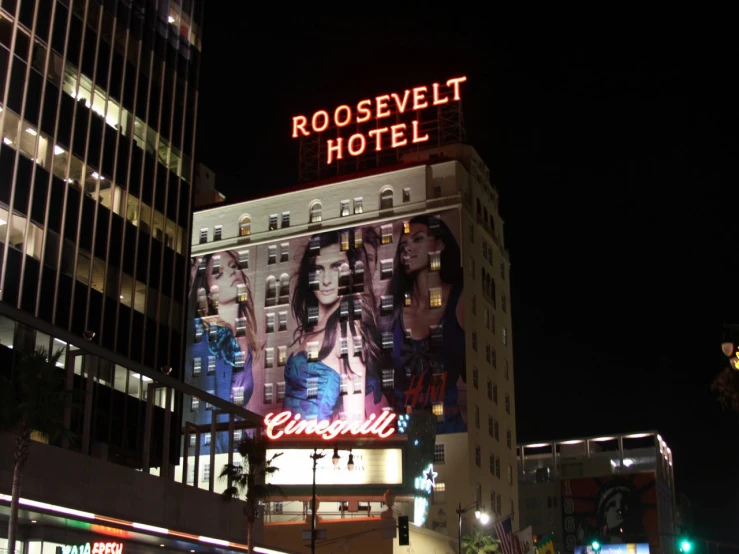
615 158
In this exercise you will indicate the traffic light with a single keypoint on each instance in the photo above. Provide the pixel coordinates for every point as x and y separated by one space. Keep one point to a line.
595 545
685 545
403 533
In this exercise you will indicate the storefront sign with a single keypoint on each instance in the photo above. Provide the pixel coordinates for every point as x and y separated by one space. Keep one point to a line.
372 466
94 548
380 426
375 110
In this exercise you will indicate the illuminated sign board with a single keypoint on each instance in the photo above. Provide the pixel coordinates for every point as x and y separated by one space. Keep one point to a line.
371 467
99 547
380 426
382 136
618 548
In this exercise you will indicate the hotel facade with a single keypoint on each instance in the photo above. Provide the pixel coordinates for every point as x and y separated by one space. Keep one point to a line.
375 296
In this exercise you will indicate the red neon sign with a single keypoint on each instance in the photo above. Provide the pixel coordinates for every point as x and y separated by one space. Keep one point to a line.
391 136
380 426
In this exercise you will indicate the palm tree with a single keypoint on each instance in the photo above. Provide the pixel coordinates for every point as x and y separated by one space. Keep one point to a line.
477 542
248 479
31 405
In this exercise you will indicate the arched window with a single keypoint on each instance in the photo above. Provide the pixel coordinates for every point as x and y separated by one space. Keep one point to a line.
284 294
202 301
316 212
245 226
214 297
386 198
270 297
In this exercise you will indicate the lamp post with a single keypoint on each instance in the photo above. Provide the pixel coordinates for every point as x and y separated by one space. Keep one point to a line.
482 516
315 457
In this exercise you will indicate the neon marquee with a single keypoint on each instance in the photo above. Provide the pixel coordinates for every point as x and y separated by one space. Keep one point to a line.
374 425
376 109
94 548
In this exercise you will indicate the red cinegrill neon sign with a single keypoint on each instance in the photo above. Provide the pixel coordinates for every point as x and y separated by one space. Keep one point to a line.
380 138
380 426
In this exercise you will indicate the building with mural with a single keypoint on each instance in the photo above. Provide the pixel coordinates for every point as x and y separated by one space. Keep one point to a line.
618 490
373 307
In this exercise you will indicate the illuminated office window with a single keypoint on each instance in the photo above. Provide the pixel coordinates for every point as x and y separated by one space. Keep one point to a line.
358 209
435 298
244 259
316 212
242 293
388 378
217 232
245 226
196 366
387 234
203 236
273 222
312 388
434 261
282 357
269 356
386 199
344 208
268 393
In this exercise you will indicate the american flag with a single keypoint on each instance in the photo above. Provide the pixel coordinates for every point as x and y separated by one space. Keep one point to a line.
504 529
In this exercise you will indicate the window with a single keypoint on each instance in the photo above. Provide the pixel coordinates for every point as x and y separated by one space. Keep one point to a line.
387 340
284 254
406 195
439 493
495 393
343 346
507 404
238 398
217 232
406 227
386 304
387 234
196 366
407 299
497 466
281 390
344 240
474 304
216 264
344 208
240 326
439 453
206 468
434 261
244 259
496 430
344 384
315 212
494 358
315 245
438 410
211 365
472 232
358 238
510 482
490 427
282 320
270 323
492 464
239 359
242 293
238 434
386 199
502 271
271 254
245 226
285 219
357 384
358 205
284 292
203 236
508 438
478 455
490 389
282 359
269 356
313 281
475 376
487 353
194 404
472 267
498 504
386 269
313 349
268 393
435 298
477 416
506 370
270 298
474 341
388 378
273 222
312 315
437 191
312 387
505 336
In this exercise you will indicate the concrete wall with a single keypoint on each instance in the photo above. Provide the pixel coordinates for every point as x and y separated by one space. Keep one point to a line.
72 480
358 536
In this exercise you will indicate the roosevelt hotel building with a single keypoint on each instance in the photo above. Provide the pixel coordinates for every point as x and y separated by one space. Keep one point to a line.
268 236
97 113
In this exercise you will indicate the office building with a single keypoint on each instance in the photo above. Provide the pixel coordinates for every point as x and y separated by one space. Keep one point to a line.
617 489
98 102
384 291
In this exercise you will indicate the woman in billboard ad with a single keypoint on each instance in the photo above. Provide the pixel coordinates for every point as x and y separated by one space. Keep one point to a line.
330 373
225 325
428 326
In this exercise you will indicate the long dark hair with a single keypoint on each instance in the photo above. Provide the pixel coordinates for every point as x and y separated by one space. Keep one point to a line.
450 271
358 288
209 315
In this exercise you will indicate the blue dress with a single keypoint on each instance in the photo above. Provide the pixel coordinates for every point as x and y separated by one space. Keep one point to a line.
417 361
327 400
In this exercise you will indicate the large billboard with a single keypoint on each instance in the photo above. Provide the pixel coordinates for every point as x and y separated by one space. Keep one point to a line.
334 326
614 509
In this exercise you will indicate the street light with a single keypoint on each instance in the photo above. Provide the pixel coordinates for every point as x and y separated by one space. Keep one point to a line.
335 459
482 516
